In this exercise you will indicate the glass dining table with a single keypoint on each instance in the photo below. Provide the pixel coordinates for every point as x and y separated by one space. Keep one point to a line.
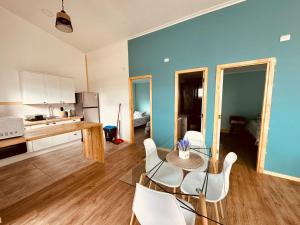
194 162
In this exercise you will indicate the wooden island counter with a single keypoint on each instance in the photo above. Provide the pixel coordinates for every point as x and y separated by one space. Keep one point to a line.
93 141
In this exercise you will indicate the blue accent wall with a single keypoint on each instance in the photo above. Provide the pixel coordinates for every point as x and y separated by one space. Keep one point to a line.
242 96
142 97
246 31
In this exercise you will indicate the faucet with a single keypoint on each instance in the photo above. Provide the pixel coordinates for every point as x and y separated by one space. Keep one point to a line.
50 111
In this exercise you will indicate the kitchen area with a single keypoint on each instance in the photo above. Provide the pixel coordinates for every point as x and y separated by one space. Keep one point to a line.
50 116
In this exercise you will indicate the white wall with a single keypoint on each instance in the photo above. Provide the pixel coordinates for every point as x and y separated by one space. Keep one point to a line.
24 46
108 75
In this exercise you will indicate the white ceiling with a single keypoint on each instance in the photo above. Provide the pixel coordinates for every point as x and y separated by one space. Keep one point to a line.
98 23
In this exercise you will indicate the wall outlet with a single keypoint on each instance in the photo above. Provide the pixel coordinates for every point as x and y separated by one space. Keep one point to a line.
285 37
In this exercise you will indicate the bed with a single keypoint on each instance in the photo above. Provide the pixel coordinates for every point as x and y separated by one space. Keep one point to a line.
140 118
253 127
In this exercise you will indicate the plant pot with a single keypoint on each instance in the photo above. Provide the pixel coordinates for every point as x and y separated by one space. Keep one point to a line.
184 154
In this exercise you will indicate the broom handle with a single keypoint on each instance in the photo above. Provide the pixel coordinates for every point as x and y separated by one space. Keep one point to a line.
118 121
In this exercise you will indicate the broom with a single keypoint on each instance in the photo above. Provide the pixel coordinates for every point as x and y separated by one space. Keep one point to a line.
118 140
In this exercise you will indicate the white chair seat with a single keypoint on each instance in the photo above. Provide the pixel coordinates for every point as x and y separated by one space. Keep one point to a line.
167 175
194 181
189 216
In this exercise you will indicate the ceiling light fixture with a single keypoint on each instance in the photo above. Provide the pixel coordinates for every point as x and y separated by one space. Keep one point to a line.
63 21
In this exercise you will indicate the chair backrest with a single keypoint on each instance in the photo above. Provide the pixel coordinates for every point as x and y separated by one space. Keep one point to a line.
230 158
152 158
195 138
153 207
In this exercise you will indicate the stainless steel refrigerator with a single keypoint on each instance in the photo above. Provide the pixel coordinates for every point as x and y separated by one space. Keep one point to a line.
87 106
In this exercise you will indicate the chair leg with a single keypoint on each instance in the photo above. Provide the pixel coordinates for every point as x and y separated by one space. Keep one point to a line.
142 179
217 212
132 220
174 191
221 209
150 184
189 199
203 209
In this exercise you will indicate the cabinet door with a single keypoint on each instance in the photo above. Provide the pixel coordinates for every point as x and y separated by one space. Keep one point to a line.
33 90
67 90
76 135
61 139
52 89
42 144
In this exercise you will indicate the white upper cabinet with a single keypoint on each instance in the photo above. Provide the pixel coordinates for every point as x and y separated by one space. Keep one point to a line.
52 87
46 89
67 90
33 88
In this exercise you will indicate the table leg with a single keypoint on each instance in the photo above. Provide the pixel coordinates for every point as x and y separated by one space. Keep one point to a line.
203 209
93 145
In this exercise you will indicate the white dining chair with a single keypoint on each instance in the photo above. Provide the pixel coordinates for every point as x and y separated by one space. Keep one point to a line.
217 186
152 207
164 174
196 140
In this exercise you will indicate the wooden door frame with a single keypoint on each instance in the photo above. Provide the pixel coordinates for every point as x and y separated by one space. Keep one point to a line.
266 106
131 104
178 73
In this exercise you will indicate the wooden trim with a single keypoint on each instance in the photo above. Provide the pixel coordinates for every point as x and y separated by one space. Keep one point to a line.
11 103
86 73
204 99
297 179
225 130
266 107
131 105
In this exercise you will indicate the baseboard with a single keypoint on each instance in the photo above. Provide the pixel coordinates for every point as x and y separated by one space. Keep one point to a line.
27 155
164 149
297 179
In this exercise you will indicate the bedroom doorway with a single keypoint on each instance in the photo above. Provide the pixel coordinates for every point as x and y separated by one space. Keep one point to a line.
190 101
140 104
242 109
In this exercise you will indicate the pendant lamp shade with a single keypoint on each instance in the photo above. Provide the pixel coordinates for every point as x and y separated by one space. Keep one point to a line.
63 21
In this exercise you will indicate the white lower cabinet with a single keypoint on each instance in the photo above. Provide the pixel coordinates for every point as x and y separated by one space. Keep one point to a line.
60 139
53 141
74 136
42 144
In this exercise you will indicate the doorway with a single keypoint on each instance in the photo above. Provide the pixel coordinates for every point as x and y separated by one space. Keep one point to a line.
140 105
190 101
260 124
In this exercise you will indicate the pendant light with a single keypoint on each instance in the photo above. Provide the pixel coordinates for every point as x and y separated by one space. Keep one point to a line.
63 21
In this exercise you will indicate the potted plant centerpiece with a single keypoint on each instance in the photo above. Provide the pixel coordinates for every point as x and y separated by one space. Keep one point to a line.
184 149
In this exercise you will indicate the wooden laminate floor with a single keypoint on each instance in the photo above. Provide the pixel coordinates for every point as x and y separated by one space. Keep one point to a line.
93 194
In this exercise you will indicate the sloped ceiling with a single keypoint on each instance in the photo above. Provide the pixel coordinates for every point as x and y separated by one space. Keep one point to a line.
98 23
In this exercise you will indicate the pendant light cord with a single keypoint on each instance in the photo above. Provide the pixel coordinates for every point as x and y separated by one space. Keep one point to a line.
62 5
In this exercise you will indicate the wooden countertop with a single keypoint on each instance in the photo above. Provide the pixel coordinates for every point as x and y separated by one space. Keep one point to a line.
39 133
32 123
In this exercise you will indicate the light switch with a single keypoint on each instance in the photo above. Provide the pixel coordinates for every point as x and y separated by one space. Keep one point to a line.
166 60
285 37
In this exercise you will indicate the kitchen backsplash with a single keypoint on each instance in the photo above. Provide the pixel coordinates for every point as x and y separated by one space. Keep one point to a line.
22 110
